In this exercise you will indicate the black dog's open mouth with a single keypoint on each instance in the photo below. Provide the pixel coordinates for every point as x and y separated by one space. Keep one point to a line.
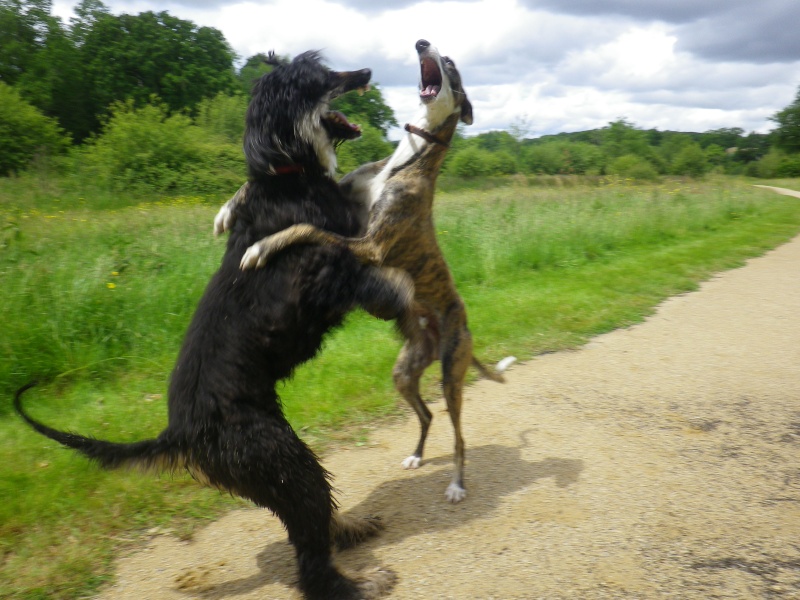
338 127
430 79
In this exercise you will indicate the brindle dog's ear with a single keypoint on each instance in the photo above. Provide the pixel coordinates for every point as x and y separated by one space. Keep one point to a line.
466 111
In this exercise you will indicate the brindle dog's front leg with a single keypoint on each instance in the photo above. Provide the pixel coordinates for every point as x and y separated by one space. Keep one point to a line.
380 237
257 255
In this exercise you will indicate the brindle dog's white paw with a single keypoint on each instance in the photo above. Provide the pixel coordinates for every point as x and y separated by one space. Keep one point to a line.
412 462
254 257
455 493
224 220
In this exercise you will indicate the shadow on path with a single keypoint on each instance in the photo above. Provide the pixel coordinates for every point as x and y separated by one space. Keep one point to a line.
416 506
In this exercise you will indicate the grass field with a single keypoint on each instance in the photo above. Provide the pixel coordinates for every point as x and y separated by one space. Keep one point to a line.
98 290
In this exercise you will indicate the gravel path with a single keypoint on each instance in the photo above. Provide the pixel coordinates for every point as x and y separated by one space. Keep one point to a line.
658 461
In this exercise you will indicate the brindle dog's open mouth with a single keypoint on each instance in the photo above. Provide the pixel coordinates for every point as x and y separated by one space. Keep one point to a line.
430 79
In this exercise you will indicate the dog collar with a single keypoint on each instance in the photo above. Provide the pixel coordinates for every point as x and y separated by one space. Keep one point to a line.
425 135
288 169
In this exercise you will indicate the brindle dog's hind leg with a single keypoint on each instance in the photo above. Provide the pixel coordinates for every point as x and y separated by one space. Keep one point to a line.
456 358
413 360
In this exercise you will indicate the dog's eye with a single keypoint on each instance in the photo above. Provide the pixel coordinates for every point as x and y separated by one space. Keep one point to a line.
449 61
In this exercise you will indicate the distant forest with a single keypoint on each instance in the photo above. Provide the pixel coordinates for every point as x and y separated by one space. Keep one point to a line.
156 103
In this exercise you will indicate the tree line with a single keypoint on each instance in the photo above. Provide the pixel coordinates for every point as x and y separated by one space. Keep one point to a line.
625 150
153 101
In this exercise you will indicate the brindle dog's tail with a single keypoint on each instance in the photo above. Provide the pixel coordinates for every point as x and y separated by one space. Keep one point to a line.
497 374
155 454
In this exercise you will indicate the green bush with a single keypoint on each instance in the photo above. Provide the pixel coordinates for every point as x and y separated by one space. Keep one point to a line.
690 160
146 149
223 116
502 163
715 155
633 167
562 158
545 159
790 166
475 162
775 164
25 133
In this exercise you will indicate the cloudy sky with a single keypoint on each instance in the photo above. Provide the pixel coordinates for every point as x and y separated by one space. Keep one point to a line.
545 66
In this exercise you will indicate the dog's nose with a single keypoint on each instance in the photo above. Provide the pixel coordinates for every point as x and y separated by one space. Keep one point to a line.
422 45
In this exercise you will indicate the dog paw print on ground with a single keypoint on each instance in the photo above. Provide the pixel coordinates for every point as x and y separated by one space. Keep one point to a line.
197 580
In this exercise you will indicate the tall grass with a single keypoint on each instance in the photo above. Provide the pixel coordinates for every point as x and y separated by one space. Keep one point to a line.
99 298
100 292
502 233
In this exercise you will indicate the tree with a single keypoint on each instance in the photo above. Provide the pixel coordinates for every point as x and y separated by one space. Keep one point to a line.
495 141
88 12
787 134
753 146
138 56
726 137
23 26
672 142
621 138
53 80
36 56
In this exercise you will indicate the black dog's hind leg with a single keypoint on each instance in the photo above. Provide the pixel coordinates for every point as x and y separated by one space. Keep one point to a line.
276 470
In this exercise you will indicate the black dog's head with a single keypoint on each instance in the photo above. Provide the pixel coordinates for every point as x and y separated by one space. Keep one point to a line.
289 123
440 86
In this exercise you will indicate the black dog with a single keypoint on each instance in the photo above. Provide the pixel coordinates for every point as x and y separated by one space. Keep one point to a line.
251 329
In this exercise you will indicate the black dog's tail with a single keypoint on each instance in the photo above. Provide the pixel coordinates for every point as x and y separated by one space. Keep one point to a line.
156 454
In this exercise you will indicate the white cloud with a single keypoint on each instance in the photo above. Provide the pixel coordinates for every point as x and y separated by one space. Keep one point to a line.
565 64
643 53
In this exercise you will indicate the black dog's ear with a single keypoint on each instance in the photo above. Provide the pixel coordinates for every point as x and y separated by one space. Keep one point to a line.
466 111
274 60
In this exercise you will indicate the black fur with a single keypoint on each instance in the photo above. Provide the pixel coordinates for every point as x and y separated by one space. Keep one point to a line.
252 328
271 138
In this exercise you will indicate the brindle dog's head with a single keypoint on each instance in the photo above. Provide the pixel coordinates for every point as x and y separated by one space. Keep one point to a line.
289 122
440 86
